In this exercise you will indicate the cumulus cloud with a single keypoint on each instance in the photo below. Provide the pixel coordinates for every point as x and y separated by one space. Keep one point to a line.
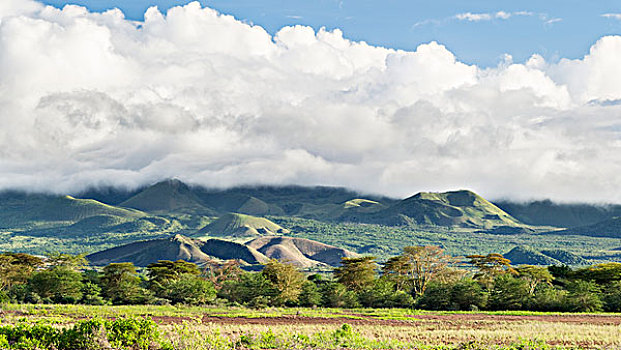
95 99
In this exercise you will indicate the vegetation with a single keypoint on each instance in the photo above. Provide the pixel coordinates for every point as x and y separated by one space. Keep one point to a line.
422 277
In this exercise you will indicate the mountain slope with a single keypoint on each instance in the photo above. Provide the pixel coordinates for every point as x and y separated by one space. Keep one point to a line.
240 225
299 251
17 209
457 208
175 248
167 196
607 228
548 213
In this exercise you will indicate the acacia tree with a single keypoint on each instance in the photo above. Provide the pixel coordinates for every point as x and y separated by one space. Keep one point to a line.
356 273
287 280
420 265
490 266
534 275
16 268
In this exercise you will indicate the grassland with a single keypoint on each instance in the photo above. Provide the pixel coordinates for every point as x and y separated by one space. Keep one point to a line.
231 327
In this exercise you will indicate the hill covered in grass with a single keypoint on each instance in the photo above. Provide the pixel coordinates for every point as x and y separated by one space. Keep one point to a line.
240 225
457 208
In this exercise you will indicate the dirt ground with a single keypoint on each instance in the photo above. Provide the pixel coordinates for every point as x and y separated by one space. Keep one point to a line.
362 320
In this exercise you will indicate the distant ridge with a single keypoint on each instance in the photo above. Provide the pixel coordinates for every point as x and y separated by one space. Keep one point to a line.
521 255
457 208
548 213
166 196
607 228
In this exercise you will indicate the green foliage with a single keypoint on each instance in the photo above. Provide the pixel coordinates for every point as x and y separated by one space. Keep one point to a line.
584 296
310 295
334 294
356 273
286 279
132 333
190 289
249 287
60 284
508 293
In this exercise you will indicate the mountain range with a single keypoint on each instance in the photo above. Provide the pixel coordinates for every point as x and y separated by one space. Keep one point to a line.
178 219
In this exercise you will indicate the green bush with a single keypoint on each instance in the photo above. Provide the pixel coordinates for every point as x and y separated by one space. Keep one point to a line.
132 333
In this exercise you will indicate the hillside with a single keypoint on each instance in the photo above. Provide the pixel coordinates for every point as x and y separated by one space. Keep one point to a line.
548 213
22 209
240 225
607 228
175 248
300 251
457 208
167 196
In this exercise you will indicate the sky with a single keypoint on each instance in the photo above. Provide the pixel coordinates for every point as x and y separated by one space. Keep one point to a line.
511 100
478 31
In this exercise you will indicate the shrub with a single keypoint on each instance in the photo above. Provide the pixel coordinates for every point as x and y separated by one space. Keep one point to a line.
132 333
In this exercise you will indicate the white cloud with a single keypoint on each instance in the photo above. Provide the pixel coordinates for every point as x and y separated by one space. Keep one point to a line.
612 15
477 17
90 98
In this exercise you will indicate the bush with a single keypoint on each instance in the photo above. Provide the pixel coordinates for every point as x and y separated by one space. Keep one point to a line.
334 294
508 293
310 295
132 333
584 297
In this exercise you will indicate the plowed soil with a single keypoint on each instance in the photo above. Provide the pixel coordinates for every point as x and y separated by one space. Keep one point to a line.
416 319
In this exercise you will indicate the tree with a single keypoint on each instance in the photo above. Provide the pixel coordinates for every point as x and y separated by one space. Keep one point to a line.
121 284
310 295
334 294
356 273
218 273
68 261
164 272
249 287
534 275
584 296
602 273
59 284
508 293
287 280
190 289
419 264
16 268
490 266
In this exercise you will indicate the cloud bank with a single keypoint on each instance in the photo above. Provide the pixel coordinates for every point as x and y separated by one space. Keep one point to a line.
89 99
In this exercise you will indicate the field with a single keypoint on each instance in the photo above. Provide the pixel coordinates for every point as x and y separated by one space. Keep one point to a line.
228 328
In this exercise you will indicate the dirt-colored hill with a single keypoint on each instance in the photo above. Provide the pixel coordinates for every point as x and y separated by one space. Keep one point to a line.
299 251
144 253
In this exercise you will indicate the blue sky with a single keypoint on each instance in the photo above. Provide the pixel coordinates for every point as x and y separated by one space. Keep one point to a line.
552 28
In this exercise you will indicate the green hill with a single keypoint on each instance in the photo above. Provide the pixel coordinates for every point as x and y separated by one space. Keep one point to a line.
458 208
240 225
521 255
23 210
167 196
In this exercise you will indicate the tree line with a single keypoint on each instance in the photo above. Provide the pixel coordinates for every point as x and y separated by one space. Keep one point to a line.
422 276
